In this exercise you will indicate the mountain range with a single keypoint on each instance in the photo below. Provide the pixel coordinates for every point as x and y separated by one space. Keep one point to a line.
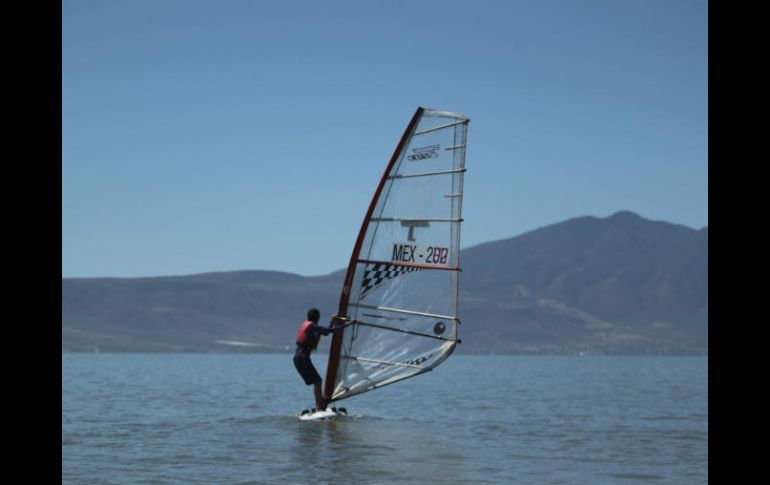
616 285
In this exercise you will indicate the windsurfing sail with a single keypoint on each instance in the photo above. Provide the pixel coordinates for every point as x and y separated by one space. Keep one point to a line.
401 286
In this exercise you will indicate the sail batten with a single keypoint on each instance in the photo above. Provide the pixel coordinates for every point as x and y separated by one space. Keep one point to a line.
411 265
382 362
404 269
416 219
448 125
405 312
394 329
427 174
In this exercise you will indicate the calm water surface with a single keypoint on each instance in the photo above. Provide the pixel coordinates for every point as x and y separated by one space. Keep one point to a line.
231 419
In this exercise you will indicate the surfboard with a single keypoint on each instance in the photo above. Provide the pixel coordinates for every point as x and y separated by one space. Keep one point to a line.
326 414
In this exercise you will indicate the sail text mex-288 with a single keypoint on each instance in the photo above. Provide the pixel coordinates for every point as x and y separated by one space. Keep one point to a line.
401 286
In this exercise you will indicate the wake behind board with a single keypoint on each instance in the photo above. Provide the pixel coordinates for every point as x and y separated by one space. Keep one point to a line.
326 414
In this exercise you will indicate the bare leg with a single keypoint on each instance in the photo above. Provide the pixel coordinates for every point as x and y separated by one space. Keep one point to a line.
319 400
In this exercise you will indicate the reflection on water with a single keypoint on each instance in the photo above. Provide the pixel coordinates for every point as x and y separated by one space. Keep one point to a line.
365 448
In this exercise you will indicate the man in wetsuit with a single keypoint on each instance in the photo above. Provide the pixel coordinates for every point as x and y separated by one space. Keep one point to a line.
307 341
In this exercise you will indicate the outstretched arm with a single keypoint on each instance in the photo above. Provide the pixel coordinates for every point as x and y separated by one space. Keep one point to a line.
332 328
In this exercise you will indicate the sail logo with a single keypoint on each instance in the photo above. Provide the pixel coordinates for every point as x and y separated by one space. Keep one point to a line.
424 153
403 253
418 360
413 253
412 224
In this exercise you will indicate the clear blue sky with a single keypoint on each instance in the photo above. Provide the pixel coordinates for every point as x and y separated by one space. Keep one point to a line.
227 135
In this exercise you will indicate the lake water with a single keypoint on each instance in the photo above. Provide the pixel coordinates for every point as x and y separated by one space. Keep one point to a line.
231 419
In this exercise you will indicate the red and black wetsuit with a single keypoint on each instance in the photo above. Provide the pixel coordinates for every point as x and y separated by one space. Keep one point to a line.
313 332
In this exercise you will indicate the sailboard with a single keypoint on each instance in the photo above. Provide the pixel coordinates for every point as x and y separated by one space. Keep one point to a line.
401 285
325 415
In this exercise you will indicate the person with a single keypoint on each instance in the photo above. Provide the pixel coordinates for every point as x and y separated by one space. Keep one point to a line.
308 336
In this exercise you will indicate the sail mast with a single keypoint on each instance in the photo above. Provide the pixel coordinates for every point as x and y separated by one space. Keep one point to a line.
336 345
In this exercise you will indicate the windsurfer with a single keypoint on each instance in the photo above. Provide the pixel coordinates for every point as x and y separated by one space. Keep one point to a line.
309 335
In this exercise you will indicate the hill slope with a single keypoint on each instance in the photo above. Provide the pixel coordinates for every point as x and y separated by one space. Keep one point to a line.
619 284
622 284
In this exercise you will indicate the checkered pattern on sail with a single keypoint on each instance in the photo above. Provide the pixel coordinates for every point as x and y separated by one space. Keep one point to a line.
375 274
